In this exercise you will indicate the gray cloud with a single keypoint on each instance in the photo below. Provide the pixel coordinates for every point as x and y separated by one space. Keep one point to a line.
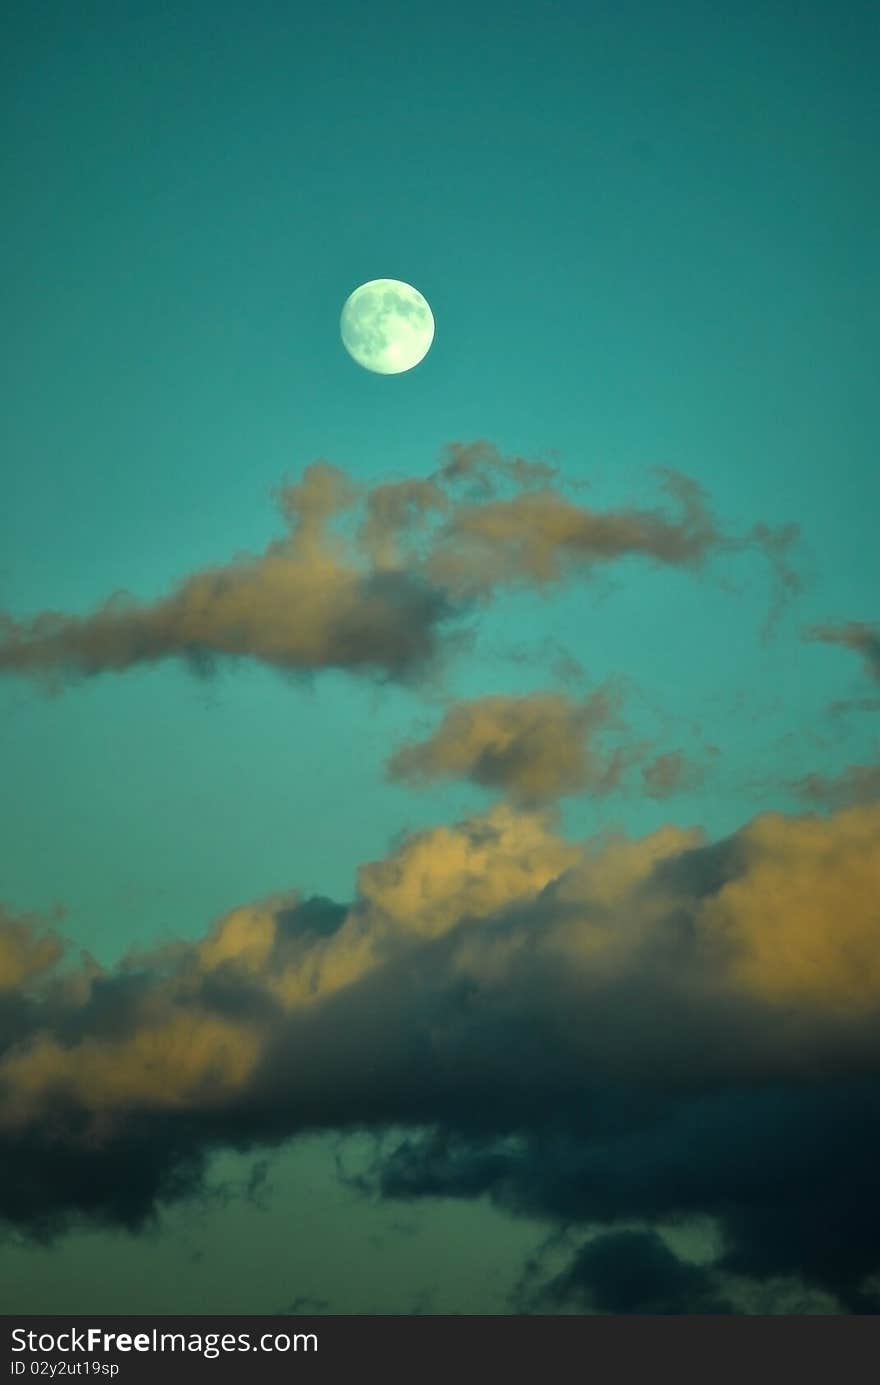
635 1272
855 784
670 773
863 639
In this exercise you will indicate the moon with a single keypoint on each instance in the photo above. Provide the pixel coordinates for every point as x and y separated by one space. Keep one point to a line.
387 326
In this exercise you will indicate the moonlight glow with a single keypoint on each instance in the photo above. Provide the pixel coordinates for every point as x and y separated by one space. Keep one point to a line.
387 326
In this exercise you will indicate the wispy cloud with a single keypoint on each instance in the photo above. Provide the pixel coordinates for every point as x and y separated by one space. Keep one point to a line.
858 636
855 784
369 580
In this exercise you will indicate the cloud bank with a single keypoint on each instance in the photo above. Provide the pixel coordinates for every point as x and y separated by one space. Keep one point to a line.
594 1033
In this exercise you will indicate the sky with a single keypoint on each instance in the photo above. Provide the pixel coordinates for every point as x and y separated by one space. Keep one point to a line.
440 854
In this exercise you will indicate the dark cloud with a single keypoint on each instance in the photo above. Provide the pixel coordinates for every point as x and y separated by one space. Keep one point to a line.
784 1170
593 1034
635 1272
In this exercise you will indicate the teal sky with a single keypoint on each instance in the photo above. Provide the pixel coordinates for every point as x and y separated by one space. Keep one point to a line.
648 235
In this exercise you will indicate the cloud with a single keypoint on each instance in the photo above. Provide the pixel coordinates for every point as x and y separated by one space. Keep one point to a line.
539 537
783 1171
591 1033
855 784
543 538
480 467
842 706
395 511
27 951
534 749
368 581
302 605
863 639
634 1272
777 546
670 773
537 748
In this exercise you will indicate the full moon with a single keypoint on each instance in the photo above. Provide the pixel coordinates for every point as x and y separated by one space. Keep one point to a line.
387 326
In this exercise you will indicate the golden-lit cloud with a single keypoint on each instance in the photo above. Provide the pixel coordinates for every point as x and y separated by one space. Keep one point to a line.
368 579
539 538
471 871
779 920
303 605
27 951
184 1059
800 917
585 1031
535 748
